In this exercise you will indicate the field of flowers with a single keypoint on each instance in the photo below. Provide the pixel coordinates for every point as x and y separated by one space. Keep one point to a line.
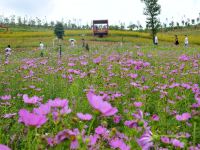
111 97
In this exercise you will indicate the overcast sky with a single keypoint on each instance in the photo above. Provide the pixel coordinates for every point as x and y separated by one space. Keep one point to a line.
128 11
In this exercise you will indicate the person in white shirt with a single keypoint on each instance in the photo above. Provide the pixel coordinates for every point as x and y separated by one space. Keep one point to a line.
186 41
41 49
7 52
156 40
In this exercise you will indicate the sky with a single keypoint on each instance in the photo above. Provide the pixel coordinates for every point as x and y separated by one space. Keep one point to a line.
116 11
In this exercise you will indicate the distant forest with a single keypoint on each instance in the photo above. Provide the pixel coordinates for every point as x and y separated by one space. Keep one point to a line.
75 24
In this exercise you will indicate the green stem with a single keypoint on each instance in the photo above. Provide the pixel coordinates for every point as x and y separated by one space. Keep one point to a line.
194 133
89 130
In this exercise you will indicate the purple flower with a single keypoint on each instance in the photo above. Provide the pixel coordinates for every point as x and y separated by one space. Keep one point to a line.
197 97
6 97
4 147
44 109
57 102
31 100
183 117
117 119
65 110
84 116
100 130
133 76
71 64
155 117
93 139
118 143
177 143
65 134
165 140
74 144
50 141
146 140
131 123
83 63
97 60
31 119
138 104
104 107
184 58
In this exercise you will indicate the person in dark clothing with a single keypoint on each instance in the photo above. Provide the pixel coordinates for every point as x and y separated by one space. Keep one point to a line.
83 42
87 47
176 40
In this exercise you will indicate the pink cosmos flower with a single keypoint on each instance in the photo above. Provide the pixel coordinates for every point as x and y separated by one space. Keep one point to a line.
97 60
31 119
165 140
93 139
104 107
4 147
197 97
84 116
83 63
146 140
177 143
44 109
65 134
131 123
65 110
57 102
71 64
100 130
184 58
118 143
138 104
6 97
117 119
31 100
155 117
183 117
74 144
146 64
133 76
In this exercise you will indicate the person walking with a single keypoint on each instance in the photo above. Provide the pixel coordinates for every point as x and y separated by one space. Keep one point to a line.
7 53
41 49
83 42
176 40
186 41
156 40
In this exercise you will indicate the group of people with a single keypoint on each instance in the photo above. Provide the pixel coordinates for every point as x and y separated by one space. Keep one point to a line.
186 41
86 46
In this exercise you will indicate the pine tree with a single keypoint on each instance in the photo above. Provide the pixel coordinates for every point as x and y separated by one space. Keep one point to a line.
59 30
152 10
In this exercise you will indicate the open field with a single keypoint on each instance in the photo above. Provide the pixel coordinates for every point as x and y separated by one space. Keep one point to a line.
136 95
30 38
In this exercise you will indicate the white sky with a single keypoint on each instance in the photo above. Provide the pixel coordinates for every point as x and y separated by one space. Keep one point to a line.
86 10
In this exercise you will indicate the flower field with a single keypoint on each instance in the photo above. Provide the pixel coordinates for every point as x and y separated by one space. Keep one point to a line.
111 97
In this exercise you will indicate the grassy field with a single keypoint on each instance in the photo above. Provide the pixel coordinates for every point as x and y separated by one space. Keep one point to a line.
19 38
136 95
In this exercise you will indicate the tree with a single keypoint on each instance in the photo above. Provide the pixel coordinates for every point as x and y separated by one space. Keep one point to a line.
193 21
132 27
152 10
59 30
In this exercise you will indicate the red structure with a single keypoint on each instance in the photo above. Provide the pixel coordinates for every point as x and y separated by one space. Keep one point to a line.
100 27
